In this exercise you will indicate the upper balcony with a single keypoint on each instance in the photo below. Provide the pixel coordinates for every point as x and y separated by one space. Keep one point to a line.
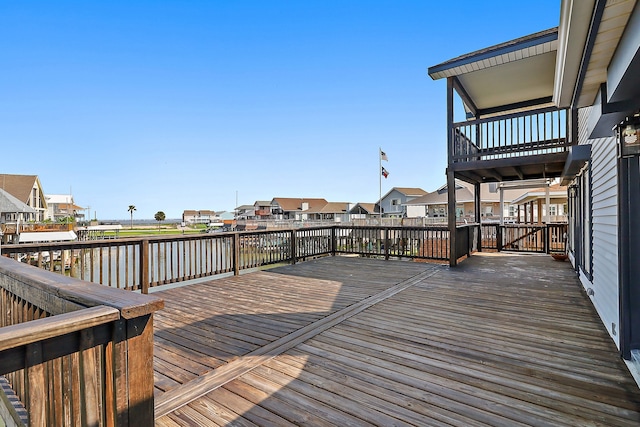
512 128
526 145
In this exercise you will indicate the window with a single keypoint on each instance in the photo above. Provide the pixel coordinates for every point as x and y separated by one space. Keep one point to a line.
572 209
395 203
585 218
580 230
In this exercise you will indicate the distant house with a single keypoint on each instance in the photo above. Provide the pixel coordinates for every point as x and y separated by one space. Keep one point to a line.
294 208
332 211
198 217
434 205
530 206
245 212
393 204
364 210
12 213
28 190
262 209
61 206
224 216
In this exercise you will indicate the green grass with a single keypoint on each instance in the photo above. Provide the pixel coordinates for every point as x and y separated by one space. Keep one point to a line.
136 232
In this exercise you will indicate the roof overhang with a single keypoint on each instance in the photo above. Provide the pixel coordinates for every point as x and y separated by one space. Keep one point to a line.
590 34
514 76
575 21
578 156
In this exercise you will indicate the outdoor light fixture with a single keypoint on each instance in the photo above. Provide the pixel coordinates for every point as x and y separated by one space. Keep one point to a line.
629 134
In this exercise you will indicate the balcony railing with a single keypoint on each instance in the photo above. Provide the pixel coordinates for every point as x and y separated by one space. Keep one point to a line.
542 131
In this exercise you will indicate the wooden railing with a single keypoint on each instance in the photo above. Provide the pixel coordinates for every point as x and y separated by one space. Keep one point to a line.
542 238
141 264
409 242
542 131
72 352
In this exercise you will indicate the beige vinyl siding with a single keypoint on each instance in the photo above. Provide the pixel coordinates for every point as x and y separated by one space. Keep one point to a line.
604 193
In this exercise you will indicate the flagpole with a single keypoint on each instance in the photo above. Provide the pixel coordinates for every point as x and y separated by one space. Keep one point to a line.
380 183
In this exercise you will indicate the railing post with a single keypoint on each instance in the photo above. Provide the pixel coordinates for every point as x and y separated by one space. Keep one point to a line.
236 254
499 237
546 238
140 370
386 243
144 266
334 239
36 384
294 245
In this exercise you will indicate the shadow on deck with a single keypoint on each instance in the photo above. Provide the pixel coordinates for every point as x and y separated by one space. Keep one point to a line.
500 340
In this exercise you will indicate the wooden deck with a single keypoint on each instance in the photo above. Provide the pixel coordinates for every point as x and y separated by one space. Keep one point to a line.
500 340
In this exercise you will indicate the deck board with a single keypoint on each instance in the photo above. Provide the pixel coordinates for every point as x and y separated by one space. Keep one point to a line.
500 340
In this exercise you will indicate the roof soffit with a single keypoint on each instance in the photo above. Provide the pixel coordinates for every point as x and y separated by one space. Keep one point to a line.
612 25
512 83
575 19
513 76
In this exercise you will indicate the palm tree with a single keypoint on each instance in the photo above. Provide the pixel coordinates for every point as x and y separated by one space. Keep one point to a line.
131 209
159 216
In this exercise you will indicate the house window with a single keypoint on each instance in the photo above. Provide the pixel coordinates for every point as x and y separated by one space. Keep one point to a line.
553 210
580 230
396 204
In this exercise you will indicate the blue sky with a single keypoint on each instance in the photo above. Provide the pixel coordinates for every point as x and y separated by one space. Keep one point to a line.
174 105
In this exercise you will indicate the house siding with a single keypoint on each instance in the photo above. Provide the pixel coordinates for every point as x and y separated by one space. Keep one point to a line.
604 193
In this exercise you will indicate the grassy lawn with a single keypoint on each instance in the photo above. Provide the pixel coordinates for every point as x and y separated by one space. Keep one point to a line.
155 231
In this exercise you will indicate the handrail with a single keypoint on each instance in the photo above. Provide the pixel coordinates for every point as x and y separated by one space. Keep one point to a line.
90 343
36 330
506 116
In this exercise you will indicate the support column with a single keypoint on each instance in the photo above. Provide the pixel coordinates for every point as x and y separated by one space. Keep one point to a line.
502 206
476 193
547 216
451 181
539 211
531 213
451 217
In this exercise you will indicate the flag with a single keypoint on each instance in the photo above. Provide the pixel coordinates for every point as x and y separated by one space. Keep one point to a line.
385 173
383 156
